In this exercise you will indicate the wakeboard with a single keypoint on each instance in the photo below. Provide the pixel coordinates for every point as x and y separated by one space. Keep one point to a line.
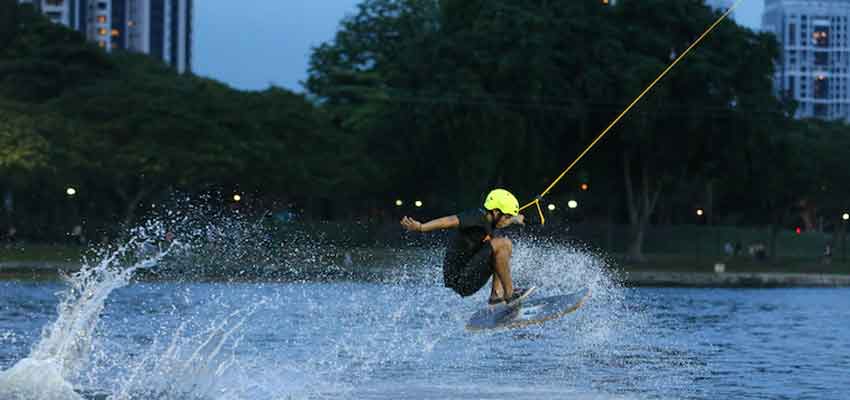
527 312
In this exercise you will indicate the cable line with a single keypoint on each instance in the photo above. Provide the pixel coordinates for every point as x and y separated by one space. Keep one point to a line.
536 201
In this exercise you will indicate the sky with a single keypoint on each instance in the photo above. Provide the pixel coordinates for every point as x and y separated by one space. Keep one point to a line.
269 42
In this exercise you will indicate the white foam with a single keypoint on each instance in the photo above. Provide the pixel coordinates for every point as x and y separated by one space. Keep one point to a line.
32 379
63 351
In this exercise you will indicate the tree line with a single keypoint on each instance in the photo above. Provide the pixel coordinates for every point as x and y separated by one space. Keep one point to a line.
429 100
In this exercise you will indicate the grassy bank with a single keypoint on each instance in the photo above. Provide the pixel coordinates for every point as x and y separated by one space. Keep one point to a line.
21 253
44 262
690 263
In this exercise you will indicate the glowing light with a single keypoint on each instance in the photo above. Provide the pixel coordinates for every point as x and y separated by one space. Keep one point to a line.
700 212
584 187
237 198
399 203
845 216
551 207
798 230
70 191
572 204
418 204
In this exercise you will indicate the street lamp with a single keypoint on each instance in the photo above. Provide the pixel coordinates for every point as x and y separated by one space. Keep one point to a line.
845 217
572 204
551 207
70 191
700 213
418 204
399 203
237 198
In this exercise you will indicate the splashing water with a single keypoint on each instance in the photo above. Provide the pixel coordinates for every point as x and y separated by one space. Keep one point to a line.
377 331
62 354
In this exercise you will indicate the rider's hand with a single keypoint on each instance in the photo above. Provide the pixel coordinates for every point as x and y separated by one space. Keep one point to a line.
411 224
519 219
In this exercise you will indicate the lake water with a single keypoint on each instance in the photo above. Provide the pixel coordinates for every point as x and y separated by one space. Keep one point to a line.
400 335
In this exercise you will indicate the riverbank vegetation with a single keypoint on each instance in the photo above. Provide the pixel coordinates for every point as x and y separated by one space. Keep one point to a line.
429 101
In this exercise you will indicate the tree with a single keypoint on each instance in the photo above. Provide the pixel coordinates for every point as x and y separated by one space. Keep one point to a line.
42 59
8 21
22 147
464 95
695 110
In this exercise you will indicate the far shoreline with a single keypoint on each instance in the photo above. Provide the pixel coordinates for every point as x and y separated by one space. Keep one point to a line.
643 276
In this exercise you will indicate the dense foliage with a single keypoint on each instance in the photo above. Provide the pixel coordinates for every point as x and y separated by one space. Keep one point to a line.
456 96
430 100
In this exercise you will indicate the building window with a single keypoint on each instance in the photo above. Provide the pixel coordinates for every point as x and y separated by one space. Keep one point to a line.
792 33
102 32
101 43
821 58
821 87
820 110
101 19
820 37
55 16
115 33
55 3
102 5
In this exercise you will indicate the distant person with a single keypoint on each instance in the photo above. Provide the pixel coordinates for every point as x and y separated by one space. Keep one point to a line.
153 247
77 234
758 251
11 234
827 254
476 253
728 249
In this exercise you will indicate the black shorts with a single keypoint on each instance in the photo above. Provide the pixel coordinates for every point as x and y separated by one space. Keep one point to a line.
467 274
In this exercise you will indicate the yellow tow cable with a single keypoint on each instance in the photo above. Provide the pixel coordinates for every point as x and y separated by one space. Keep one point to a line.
536 201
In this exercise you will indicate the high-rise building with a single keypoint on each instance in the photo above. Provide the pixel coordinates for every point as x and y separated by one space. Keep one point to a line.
813 66
161 28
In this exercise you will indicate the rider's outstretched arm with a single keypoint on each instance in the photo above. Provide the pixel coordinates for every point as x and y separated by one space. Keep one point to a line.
413 225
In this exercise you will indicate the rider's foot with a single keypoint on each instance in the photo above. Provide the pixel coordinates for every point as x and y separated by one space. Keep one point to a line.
519 295
495 301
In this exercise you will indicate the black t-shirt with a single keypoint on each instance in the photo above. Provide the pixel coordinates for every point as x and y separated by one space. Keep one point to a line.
473 229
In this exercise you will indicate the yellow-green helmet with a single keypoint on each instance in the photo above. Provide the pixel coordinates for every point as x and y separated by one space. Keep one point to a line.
502 200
